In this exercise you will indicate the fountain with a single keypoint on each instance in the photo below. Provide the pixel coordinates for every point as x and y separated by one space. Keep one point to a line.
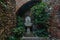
30 35
28 24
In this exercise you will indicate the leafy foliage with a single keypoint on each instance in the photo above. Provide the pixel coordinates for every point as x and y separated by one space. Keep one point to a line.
38 11
3 4
18 32
40 18
12 38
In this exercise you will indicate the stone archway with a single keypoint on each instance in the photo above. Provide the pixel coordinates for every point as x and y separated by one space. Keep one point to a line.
19 3
25 8
23 2
11 15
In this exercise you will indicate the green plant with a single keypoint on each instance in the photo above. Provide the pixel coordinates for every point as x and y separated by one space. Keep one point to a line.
18 31
3 4
38 11
12 38
40 18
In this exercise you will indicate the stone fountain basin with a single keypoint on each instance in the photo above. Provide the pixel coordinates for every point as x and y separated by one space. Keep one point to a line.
28 24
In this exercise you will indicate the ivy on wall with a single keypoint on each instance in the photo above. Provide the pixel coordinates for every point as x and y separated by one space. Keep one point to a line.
19 30
40 18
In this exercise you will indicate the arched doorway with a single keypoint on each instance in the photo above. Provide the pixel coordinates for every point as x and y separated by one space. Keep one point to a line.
25 10
25 7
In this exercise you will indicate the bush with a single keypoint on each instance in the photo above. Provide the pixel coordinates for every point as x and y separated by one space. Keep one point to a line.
40 18
18 31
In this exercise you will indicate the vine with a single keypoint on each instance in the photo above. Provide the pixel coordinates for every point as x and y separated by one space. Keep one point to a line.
40 18
19 31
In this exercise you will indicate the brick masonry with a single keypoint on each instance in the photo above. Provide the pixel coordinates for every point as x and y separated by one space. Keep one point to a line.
19 3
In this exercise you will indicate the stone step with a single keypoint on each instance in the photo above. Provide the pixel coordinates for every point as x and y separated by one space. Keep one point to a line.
29 35
35 38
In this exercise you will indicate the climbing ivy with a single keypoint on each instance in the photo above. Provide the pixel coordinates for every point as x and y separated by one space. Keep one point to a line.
19 30
40 18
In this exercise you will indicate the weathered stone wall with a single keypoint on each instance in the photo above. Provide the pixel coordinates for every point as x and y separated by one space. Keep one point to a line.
9 19
55 17
11 16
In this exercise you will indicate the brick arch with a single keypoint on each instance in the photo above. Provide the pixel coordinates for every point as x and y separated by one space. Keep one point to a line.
25 7
19 3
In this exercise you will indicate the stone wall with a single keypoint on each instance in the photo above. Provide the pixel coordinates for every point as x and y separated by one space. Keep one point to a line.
9 20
